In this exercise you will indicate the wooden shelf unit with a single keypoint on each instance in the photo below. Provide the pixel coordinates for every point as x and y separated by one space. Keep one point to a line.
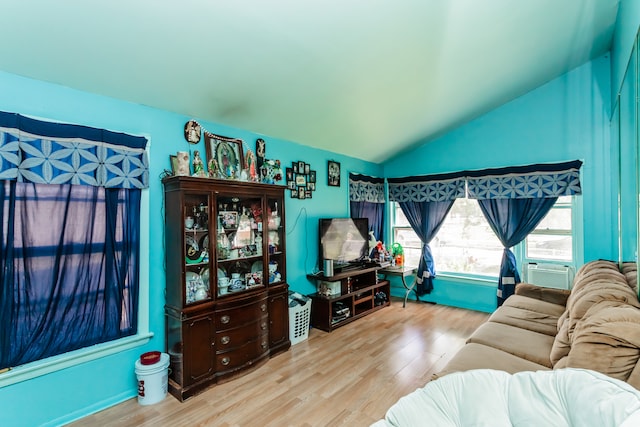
358 289
215 333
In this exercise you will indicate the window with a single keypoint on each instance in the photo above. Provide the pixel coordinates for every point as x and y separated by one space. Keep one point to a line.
464 244
404 234
73 287
72 267
552 239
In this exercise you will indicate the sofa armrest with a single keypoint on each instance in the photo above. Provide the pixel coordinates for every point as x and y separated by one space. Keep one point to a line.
554 296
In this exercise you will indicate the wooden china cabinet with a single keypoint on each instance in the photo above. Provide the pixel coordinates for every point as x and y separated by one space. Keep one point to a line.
226 292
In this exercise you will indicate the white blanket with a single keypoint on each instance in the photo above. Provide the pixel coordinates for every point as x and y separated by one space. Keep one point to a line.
484 397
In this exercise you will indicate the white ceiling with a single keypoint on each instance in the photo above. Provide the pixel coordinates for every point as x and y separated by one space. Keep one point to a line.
364 78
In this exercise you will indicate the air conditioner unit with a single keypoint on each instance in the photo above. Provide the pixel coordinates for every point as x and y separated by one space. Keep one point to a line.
549 275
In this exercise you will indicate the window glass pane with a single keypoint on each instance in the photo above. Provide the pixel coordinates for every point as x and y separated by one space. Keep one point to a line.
466 243
410 244
399 219
556 219
544 246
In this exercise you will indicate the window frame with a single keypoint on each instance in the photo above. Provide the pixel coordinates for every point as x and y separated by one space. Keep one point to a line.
394 206
519 250
73 358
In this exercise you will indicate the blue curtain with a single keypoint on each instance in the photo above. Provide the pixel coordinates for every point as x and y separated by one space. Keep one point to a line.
367 200
70 261
426 201
512 220
69 243
374 212
514 200
425 219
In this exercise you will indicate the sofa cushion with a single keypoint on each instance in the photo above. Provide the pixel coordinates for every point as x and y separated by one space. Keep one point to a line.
529 345
600 290
533 304
592 295
526 319
607 340
634 378
478 356
630 271
561 344
543 294
594 265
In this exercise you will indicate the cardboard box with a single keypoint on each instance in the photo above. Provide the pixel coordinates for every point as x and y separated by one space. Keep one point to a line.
329 288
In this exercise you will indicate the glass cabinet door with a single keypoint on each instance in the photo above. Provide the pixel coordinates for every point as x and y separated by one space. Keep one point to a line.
197 248
275 240
239 244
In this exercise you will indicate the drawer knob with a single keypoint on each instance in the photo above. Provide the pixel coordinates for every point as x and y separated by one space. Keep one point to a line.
263 307
225 361
225 319
225 339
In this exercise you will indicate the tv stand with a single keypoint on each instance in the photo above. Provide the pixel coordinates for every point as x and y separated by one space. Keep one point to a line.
361 293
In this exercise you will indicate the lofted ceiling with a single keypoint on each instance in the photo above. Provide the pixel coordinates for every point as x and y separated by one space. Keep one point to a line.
363 78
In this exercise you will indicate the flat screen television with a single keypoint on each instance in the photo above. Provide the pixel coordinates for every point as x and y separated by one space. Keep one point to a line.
343 240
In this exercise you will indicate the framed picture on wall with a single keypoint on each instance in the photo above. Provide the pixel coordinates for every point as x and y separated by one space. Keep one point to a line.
333 173
227 154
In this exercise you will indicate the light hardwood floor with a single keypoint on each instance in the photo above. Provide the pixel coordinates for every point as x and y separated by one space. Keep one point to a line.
348 377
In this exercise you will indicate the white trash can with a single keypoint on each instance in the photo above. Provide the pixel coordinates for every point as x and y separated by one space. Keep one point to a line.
152 380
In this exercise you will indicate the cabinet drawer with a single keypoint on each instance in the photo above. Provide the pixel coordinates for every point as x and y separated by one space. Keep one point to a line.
233 338
240 315
246 354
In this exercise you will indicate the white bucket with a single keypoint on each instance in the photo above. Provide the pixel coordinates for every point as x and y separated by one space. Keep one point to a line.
152 380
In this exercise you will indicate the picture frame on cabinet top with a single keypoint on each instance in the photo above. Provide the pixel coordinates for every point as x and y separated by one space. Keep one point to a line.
227 153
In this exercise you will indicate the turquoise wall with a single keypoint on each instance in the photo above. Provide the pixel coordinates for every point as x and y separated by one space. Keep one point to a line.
565 119
625 126
71 393
624 36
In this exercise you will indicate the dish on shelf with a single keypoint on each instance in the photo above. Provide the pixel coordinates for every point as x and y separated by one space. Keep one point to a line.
204 242
193 284
256 267
204 274
237 285
221 273
240 267
193 253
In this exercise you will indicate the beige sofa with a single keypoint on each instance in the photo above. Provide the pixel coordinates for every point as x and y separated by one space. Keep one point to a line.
594 326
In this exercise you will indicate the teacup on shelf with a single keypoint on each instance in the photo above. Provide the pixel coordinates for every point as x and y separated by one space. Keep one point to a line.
188 222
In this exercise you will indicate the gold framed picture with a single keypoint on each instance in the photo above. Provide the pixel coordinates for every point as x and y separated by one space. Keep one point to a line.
226 154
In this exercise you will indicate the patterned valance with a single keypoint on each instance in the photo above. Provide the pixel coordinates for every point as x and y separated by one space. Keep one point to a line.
54 153
427 188
363 188
525 182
